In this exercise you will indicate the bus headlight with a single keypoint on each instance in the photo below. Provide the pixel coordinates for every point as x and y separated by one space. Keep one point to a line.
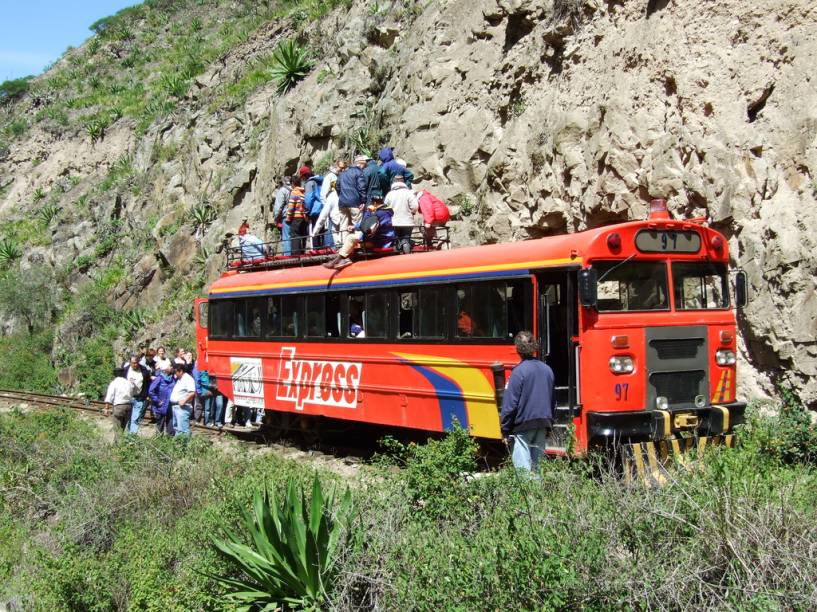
661 403
621 365
725 358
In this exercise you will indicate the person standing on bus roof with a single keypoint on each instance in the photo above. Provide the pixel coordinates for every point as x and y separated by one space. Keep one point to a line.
351 188
297 218
278 209
527 407
402 202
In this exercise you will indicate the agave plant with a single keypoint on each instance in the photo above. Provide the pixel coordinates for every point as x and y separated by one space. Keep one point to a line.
290 64
292 556
9 251
48 213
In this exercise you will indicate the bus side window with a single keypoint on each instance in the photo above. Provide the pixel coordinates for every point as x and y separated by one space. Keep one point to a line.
223 313
357 316
240 329
432 311
376 314
254 309
315 316
273 316
333 315
289 316
407 315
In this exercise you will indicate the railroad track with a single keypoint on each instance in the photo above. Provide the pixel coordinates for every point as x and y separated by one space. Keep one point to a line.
344 455
96 407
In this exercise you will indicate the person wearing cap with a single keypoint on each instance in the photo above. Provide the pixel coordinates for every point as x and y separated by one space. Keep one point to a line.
375 228
351 188
401 201
252 247
296 217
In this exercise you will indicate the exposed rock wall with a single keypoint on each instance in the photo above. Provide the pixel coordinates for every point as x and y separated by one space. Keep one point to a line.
534 118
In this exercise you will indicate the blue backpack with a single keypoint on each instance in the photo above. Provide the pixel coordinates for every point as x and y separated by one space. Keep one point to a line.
313 204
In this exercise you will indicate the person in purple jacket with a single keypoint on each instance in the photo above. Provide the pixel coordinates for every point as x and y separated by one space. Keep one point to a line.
159 393
527 407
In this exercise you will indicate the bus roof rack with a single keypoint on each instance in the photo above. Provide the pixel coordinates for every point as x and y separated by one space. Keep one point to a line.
275 257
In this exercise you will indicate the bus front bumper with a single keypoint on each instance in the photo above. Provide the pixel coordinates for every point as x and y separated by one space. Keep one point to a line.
611 428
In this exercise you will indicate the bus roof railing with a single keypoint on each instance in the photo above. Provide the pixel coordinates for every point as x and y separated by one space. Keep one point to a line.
277 253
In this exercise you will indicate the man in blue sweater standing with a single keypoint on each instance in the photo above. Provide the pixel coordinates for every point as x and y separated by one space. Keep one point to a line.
528 403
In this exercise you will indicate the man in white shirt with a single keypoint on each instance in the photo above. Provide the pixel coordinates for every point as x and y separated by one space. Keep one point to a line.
118 399
181 400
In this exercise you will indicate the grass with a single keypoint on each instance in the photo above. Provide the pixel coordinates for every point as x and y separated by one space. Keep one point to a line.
90 524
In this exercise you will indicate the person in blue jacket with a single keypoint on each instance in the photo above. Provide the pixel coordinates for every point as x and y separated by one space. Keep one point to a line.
391 167
375 229
527 407
159 393
351 188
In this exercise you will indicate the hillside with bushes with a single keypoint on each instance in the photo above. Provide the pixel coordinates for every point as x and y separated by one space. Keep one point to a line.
123 165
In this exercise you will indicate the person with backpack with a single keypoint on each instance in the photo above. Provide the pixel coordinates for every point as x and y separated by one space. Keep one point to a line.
391 167
278 209
297 218
403 204
374 188
331 216
434 212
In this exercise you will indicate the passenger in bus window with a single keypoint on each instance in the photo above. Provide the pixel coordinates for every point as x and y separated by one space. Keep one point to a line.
526 417
356 309
255 321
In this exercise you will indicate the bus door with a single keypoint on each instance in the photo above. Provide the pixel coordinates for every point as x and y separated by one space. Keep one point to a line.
202 312
556 325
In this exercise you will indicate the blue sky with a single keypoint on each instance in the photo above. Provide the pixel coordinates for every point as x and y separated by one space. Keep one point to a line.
34 33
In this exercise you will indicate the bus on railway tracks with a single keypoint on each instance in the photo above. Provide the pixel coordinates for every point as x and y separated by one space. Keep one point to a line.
634 318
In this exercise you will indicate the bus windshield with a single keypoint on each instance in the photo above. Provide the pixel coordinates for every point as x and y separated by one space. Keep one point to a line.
632 285
700 285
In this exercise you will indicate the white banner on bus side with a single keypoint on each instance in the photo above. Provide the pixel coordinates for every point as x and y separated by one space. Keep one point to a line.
248 382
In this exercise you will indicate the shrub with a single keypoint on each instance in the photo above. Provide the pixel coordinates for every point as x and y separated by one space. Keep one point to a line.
174 84
38 194
291 560
26 364
290 64
9 252
95 127
13 89
48 213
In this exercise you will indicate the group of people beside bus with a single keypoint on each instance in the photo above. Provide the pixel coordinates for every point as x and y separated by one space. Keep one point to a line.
368 201
176 391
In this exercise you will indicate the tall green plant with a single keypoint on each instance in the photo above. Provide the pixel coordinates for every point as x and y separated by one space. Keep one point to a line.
292 556
9 251
290 64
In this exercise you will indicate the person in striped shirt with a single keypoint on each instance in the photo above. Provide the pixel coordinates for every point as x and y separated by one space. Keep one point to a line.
296 217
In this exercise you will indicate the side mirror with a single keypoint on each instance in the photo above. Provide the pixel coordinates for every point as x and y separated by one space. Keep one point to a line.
588 287
741 289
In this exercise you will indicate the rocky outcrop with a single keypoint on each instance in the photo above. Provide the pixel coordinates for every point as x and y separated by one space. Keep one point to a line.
531 118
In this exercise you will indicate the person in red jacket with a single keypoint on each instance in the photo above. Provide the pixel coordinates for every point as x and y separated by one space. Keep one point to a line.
434 212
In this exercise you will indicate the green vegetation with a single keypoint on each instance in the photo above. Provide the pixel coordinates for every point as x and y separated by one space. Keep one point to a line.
90 524
9 252
13 89
292 557
290 64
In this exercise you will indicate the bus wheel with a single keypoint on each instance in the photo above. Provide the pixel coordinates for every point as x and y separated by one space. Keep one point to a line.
274 425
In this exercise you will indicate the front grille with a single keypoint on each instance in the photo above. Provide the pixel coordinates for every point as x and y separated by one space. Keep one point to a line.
677 348
677 387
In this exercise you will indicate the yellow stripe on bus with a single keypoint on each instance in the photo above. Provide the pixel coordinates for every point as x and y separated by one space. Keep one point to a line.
403 275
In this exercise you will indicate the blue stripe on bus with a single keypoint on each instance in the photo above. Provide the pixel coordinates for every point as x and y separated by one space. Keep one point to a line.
370 284
449 397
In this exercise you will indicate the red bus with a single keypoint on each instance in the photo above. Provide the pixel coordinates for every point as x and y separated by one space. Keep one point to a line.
635 320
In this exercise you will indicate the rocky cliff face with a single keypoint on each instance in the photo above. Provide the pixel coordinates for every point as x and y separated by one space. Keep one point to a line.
533 118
